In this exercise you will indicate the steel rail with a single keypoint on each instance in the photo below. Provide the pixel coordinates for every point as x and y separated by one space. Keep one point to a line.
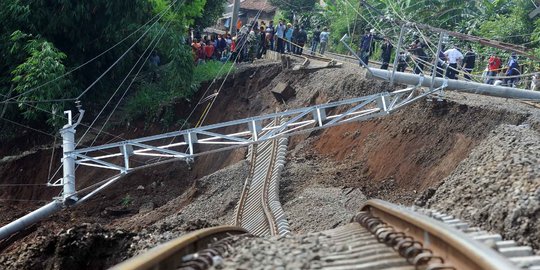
170 254
258 209
455 247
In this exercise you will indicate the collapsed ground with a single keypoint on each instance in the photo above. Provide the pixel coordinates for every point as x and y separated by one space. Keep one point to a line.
468 156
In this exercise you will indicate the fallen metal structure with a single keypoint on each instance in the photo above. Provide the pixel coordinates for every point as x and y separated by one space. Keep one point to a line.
188 144
457 85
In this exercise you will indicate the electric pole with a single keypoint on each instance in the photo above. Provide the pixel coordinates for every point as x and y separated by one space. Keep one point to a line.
234 19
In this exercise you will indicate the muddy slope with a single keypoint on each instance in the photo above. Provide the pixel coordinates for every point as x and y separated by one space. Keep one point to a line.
397 158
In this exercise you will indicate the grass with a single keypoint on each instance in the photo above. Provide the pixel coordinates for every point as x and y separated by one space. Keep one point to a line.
210 70
153 101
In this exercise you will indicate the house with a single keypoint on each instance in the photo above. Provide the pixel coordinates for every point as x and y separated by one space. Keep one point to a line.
248 11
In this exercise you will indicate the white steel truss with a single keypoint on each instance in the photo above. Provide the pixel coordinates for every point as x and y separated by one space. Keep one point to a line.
187 144
190 143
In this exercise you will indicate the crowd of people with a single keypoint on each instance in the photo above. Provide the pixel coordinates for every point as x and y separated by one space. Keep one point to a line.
450 62
254 39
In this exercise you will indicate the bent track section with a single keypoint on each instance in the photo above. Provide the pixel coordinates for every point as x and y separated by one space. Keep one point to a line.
258 209
381 236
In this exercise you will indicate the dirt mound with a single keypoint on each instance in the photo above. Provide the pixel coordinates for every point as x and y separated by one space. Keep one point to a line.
87 246
498 186
328 175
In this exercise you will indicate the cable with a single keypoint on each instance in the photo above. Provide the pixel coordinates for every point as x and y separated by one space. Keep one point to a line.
21 185
215 95
22 200
85 63
65 118
117 89
125 53
28 127
52 158
163 30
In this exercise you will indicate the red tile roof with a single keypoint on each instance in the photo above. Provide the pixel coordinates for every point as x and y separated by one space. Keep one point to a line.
263 5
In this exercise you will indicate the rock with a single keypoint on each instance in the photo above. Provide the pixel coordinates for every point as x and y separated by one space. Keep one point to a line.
146 207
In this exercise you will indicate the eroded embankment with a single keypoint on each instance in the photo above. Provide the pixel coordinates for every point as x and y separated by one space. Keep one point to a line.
329 173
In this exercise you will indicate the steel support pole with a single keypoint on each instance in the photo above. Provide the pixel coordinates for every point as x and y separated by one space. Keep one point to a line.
462 86
30 219
68 180
436 64
398 48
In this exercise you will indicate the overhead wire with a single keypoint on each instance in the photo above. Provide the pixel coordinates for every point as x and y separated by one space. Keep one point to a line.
153 43
28 127
50 166
125 53
214 95
82 65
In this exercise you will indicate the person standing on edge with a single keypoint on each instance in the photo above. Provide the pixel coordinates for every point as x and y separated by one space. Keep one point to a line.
238 25
324 40
494 65
288 37
512 70
270 30
454 56
316 40
535 81
302 38
386 48
468 62
366 46
402 61
417 49
295 34
262 43
441 61
280 34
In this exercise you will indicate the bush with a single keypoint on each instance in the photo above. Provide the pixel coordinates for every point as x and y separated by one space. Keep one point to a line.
210 70
153 100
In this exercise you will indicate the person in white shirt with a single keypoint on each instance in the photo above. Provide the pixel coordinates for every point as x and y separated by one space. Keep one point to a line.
535 82
454 57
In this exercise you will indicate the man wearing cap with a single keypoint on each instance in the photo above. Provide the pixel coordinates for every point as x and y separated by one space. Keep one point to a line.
280 34
288 37
366 46
512 70
453 56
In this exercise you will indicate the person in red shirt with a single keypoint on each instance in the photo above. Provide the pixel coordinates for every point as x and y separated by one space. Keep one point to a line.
494 66
209 50
196 48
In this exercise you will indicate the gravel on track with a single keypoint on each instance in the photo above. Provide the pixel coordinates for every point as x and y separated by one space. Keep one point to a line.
498 186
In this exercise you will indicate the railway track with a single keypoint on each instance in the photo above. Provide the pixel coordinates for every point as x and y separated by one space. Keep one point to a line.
258 209
381 236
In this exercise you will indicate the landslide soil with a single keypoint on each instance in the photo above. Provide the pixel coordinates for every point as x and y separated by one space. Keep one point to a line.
403 158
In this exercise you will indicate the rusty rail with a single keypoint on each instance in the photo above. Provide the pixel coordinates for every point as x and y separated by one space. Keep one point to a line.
169 255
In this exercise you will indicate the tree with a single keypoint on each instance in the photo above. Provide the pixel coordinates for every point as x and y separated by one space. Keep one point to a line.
41 40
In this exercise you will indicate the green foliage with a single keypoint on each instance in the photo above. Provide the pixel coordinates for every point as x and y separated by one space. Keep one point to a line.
44 63
213 9
41 40
126 201
154 100
211 70
516 27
